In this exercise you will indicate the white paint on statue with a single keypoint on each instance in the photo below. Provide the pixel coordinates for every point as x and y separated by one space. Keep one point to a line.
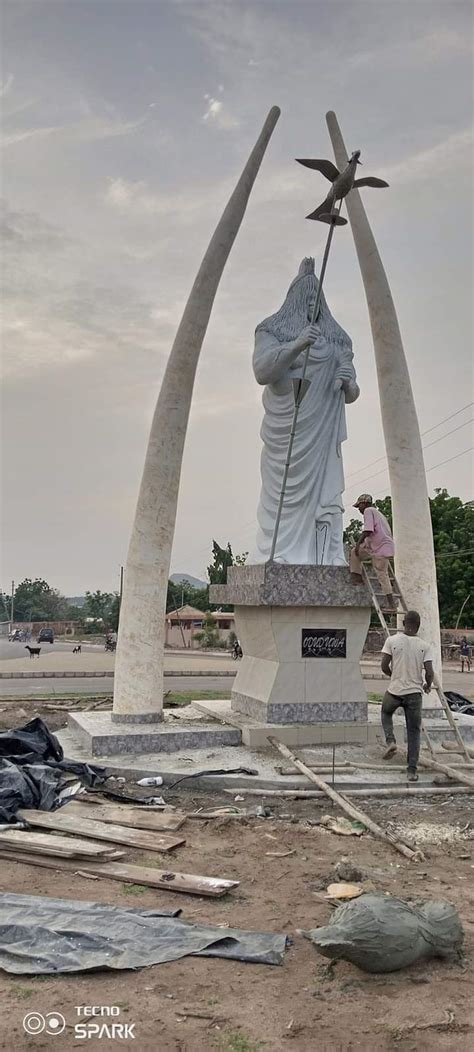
311 522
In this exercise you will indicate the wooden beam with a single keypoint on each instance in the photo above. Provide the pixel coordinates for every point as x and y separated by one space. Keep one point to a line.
127 815
140 838
167 880
315 794
452 772
346 806
64 847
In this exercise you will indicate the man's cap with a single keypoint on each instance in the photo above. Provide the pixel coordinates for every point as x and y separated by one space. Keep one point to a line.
365 498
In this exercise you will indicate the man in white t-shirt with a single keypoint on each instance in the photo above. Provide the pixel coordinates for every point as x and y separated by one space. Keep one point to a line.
404 658
377 542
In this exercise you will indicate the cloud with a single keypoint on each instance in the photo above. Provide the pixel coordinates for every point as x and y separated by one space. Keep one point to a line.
53 316
437 158
30 133
6 86
216 113
88 129
137 199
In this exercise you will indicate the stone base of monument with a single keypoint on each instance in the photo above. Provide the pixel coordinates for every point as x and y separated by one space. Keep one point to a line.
255 733
302 630
103 737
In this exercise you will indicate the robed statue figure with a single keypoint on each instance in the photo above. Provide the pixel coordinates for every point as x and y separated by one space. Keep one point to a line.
311 522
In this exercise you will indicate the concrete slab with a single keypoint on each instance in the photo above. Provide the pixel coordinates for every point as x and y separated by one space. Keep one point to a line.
173 766
255 733
435 722
102 737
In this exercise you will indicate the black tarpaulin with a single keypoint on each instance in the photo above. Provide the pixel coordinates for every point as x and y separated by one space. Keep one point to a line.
45 936
32 765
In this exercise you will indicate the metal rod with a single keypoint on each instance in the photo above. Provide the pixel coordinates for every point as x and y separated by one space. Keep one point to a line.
120 595
334 211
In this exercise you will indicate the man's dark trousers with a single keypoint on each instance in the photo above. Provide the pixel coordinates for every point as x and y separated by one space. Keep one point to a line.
412 707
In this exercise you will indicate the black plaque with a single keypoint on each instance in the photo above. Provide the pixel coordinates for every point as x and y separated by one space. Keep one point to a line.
323 643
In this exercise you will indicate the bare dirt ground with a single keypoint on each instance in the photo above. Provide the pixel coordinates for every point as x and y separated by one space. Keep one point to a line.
195 1005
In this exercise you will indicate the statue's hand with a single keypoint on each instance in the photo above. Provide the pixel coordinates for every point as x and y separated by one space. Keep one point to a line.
344 377
311 334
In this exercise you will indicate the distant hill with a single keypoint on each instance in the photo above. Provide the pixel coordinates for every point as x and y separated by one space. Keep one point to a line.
76 600
178 578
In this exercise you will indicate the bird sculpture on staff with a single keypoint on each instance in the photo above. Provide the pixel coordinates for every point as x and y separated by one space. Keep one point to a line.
342 184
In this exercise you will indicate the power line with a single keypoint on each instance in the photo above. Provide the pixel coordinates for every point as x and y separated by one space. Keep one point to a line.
448 433
445 421
356 485
423 433
433 466
453 555
448 461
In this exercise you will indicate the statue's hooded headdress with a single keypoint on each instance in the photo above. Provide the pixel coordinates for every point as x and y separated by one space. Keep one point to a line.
291 319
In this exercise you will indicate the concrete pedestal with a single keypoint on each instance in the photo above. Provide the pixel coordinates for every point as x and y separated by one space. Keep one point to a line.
302 630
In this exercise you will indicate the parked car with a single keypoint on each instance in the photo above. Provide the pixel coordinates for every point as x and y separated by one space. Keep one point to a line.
45 635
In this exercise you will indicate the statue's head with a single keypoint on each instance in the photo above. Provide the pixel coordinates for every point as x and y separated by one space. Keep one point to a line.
297 310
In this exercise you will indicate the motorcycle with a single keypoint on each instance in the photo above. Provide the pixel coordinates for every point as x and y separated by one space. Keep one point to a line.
237 651
110 645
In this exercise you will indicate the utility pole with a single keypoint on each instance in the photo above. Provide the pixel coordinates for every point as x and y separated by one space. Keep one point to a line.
120 592
12 603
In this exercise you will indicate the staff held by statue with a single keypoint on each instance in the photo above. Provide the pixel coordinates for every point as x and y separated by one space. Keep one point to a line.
327 212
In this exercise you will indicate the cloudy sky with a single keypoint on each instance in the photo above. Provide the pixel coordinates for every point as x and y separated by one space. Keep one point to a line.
125 124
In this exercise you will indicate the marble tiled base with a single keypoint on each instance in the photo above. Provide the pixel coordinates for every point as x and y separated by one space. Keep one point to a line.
255 732
300 712
102 737
274 605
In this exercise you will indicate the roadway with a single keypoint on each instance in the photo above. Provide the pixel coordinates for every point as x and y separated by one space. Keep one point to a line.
10 651
23 688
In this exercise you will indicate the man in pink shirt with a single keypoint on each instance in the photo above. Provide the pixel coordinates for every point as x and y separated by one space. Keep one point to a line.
377 542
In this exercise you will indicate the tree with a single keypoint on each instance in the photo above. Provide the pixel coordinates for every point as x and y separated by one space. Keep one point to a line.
209 638
217 572
102 606
223 558
241 559
37 601
453 530
181 593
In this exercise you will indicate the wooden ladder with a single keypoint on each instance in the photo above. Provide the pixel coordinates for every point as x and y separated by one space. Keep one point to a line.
373 584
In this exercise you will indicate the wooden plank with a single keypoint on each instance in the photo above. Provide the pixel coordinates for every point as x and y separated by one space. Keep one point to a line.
338 769
167 880
352 768
126 815
345 805
64 847
452 772
117 834
315 794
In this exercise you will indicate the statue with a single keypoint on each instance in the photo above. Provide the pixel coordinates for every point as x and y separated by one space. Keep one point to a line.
310 528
